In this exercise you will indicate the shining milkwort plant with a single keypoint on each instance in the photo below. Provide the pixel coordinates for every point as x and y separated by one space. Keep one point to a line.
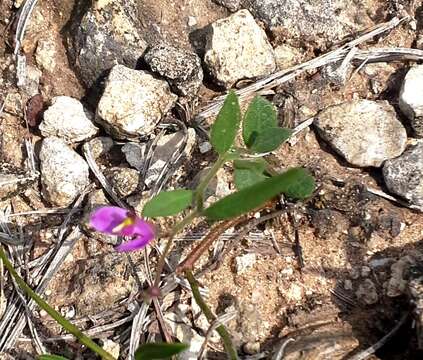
256 181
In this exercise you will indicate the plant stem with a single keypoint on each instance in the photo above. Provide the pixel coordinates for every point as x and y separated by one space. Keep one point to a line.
226 338
69 327
178 227
199 192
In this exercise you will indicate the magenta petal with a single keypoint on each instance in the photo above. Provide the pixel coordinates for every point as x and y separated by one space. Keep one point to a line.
106 218
133 245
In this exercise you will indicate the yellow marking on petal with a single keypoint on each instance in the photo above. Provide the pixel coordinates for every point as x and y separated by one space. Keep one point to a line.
126 222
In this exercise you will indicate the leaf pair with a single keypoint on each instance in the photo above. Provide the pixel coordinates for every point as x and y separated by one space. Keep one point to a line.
260 129
296 183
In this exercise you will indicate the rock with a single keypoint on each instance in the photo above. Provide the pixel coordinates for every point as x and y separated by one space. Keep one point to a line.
379 263
237 48
180 67
316 21
32 81
96 199
46 54
294 293
286 56
404 175
179 324
14 180
365 271
164 153
411 98
99 146
397 284
348 285
205 147
67 119
231 5
134 154
108 33
364 132
244 262
64 173
367 292
111 347
133 102
124 180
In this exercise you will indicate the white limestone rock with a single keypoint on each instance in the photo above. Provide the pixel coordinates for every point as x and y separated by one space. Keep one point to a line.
237 48
133 102
67 119
64 173
364 132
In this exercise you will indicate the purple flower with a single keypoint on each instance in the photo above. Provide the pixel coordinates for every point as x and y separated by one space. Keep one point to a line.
114 220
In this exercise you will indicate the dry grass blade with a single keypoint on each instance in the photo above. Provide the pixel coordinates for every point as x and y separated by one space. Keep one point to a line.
99 175
283 76
7 339
372 349
279 355
138 324
25 13
221 320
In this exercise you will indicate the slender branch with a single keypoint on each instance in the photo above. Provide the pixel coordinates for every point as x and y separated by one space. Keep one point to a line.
69 327
178 227
199 192
221 329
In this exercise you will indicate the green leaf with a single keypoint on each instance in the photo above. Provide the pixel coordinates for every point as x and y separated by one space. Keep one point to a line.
247 177
296 183
168 203
152 351
51 357
258 164
225 127
270 139
260 115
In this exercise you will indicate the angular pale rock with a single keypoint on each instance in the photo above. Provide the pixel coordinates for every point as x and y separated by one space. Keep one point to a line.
367 292
397 284
404 175
364 132
244 262
315 20
411 98
64 173
67 119
133 102
99 146
124 180
286 56
46 54
178 323
134 154
237 48
108 33
182 68
165 152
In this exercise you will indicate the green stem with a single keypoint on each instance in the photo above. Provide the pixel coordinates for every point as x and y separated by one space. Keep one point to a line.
69 327
199 192
178 227
221 330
